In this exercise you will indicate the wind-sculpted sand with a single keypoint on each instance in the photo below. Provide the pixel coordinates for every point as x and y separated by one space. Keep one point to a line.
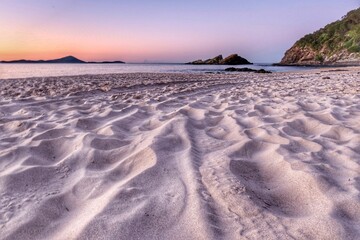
181 156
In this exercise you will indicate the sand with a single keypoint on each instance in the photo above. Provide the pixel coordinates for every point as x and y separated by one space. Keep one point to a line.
181 156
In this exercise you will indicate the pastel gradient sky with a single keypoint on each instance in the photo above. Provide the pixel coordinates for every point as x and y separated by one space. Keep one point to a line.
160 30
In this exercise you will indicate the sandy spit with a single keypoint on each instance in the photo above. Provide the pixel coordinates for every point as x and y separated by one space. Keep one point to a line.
181 156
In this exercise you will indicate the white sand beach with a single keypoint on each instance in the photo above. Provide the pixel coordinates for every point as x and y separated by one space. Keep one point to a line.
181 156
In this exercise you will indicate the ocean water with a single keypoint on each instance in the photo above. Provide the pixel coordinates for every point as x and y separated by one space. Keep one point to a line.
46 70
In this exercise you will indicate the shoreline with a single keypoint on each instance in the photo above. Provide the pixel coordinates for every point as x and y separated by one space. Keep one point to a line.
53 70
110 83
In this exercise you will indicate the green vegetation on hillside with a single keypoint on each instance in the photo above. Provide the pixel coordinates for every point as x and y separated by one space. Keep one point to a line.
339 35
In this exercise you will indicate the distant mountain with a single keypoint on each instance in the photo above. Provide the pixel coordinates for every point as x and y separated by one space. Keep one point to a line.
67 59
338 43
233 59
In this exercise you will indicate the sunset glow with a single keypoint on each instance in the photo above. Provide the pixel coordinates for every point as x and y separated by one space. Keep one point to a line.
159 31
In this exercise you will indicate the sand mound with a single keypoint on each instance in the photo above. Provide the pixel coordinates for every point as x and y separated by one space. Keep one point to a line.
181 156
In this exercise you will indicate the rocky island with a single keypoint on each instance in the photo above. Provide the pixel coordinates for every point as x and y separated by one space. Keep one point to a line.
338 43
233 59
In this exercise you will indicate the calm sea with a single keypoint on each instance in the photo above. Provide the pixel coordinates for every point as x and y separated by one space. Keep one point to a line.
47 70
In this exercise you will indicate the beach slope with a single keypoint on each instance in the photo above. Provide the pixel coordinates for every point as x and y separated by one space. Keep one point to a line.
181 156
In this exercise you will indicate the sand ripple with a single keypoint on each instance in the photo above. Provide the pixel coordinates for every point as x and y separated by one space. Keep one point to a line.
176 156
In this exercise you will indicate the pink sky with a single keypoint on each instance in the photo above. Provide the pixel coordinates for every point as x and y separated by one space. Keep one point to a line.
159 31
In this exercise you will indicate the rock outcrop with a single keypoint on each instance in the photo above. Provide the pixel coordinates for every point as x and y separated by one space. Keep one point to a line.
233 59
232 69
338 43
